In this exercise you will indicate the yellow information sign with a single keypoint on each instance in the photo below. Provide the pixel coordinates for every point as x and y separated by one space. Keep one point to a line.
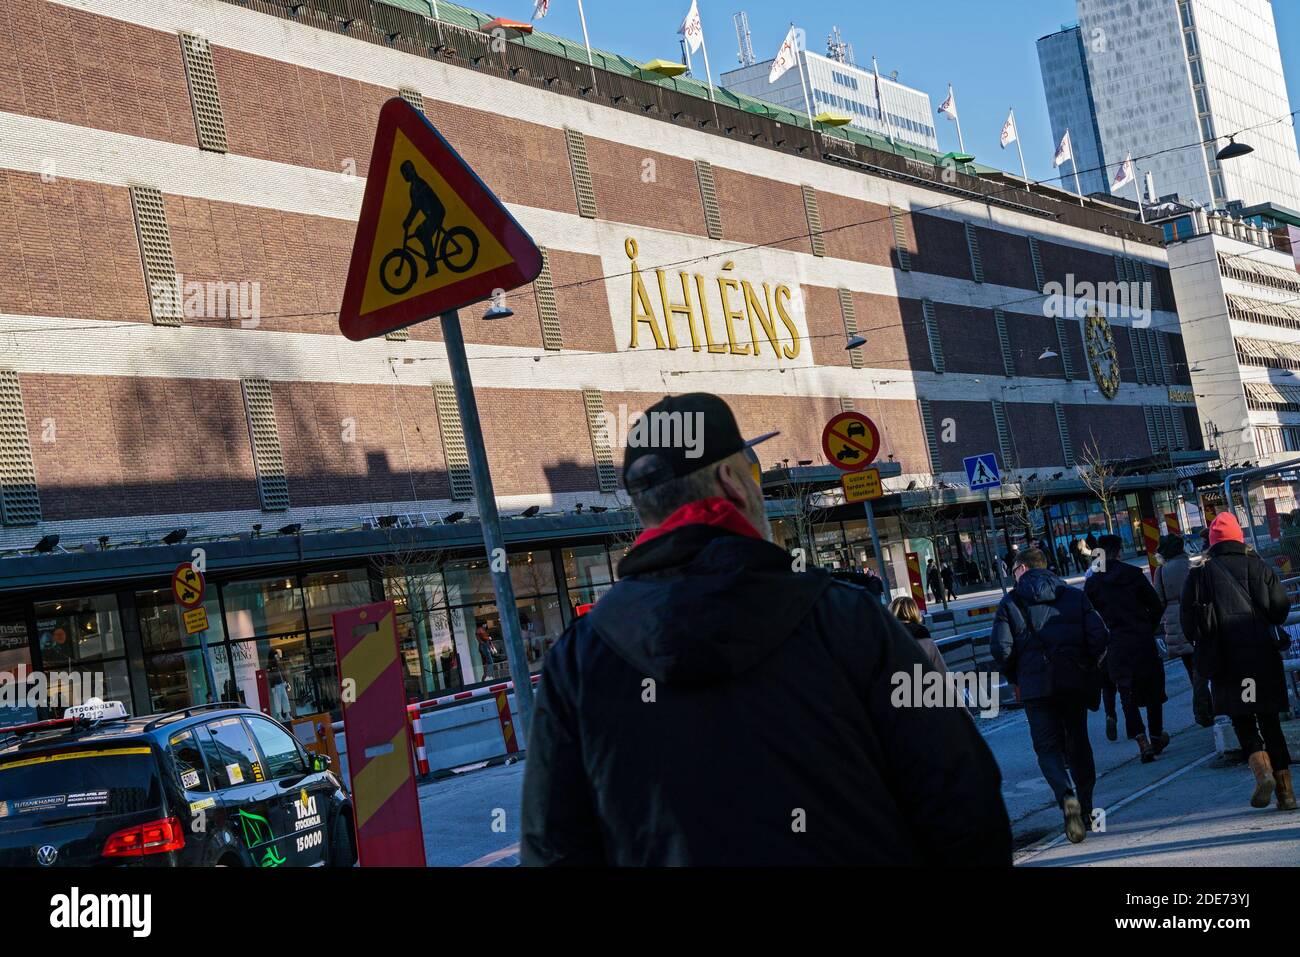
196 620
862 486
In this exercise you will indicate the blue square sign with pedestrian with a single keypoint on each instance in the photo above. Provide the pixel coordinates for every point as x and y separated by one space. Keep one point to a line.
982 471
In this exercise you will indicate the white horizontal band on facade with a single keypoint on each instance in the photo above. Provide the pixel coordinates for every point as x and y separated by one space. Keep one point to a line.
57 346
30 145
313 48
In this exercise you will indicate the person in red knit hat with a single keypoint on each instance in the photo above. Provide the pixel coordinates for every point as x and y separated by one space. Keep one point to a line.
1230 609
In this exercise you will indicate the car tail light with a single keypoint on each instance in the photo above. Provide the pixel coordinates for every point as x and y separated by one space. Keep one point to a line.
156 837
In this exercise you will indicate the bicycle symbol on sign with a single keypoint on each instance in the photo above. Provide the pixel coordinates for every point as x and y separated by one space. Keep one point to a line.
455 248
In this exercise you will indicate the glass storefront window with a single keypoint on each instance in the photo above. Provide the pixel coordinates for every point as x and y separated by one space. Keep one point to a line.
176 678
328 592
541 625
161 625
532 573
268 606
587 595
586 565
468 582
617 554
79 629
290 685
409 584
432 665
15 668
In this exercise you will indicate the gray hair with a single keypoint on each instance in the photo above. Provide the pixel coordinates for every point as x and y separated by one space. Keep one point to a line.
659 501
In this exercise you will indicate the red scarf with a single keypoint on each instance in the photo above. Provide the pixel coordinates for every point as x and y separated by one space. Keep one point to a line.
707 511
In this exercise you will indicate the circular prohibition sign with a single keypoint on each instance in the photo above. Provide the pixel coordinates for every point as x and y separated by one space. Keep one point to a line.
850 441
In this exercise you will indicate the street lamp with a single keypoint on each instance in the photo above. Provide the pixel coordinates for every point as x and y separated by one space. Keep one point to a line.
1233 150
855 342
1049 354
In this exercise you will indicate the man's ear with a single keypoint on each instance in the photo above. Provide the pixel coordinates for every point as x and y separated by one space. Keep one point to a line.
730 483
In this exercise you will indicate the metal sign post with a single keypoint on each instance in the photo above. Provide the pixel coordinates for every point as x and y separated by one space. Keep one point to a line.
993 530
502 587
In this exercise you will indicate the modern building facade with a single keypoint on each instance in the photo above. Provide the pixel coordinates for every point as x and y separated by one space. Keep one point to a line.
1068 88
887 108
1239 294
182 182
1176 73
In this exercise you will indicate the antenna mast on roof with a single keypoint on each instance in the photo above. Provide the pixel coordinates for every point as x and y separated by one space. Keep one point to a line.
838 50
746 54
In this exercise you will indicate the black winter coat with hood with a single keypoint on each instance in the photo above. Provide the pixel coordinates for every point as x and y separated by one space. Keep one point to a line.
1244 648
718 708
1132 610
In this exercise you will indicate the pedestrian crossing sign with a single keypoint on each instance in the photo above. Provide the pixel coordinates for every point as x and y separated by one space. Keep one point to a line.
982 471
431 236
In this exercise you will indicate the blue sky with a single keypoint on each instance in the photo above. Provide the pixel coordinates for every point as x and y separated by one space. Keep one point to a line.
986 50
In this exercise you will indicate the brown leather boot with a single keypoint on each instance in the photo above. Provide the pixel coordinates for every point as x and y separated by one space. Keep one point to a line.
1144 746
1264 783
1285 790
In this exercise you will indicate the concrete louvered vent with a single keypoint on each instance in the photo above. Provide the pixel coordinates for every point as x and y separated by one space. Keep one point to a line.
973 248
1004 343
414 97
847 309
606 476
1063 428
931 436
1006 451
268 460
398 335
846 405
1036 260
709 195
156 255
547 312
453 441
205 97
582 185
900 238
932 334
20 504
814 214
1063 345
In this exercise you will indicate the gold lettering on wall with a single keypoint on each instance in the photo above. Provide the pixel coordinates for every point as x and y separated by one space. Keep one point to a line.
747 317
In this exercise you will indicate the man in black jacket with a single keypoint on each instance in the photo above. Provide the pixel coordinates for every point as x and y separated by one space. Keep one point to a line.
1132 610
719 707
1047 640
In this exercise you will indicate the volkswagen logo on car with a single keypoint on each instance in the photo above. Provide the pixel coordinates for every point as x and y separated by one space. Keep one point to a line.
46 855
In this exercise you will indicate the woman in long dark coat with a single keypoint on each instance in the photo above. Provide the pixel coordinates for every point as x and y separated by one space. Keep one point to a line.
1132 611
1242 656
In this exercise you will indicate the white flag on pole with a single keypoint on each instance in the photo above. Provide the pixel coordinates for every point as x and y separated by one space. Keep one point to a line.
1065 151
541 8
1008 131
786 57
1124 175
949 106
692 29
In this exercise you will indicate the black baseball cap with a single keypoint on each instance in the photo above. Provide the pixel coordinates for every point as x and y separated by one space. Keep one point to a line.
713 432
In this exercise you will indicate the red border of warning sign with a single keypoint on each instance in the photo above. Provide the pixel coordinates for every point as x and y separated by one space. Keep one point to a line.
397 114
851 417
176 592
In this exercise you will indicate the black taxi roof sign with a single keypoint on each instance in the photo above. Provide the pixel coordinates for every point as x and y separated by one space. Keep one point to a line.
850 441
431 236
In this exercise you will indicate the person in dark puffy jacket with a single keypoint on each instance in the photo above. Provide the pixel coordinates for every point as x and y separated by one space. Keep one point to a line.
1047 640
1132 611
1242 654
719 707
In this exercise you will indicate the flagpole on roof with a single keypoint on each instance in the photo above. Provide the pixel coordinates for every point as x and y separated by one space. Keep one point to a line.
799 62
586 41
708 73
1021 153
1138 189
956 118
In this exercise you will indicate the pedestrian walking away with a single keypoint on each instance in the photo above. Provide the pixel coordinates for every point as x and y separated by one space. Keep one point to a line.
1231 608
906 610
946 576
1047 640
934 581
1132 611
1171 575
725 704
